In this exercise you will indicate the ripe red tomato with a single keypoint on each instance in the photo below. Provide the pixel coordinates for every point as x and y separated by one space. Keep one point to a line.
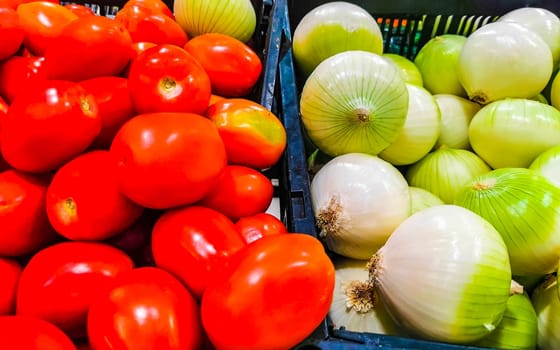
10 270
257 226
114 106
141 46
157 6
23 217
84 202
240 191
147 309
232 66
272 295
69 276
79 10
11 32
30 333
89 47
193 243
166 78
18 74
15 3
168 159
3 109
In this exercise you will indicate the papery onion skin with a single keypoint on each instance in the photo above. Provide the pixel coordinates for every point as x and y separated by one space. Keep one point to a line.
547 306
332 28
524 207
503 59
409 71
548 164
354 101
422 199
513 132
444 275
456 115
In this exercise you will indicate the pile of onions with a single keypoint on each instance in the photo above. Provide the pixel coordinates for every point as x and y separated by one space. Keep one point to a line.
456 115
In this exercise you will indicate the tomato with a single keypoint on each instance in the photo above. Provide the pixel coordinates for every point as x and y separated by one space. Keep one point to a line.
84 201
69 276
10 270
48 125
193 243
18 74
11 32
114 106
166 78
23 217
15 3
272 295
240 191
147 309
79 10
30 333
232 66
257 226
157 6
89 47
253 135
168 159
3 109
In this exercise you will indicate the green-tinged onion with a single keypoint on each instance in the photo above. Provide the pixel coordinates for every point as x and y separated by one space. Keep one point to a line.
358 200
547 305
456 115
420 131
422 199
444 275
354 101
236 18
548 164
444 171
513 132
407 68
437 61
555 91
332 28
525 209
504 59
540 98
529 282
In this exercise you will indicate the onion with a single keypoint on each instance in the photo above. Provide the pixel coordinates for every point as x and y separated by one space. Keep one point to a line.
504 59
456 115
236 18
422 199
513 132
525 209
420 131
358 200
444 275
354 101
548 164
332 28
409 72
444 171
555 91
547 306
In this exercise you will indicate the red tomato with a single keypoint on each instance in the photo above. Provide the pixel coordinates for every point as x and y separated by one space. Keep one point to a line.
48 125
10 270
166 78
168 159
18 74
154 5
273 294
257 226
193 243
89 47
69 276
42 22
3 109
114 106
79 10
141 46
84 201
232 66
23 217
11 32
30 333
147 309
15 3
240 191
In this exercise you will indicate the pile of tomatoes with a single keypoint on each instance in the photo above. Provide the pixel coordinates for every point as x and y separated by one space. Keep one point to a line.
133 204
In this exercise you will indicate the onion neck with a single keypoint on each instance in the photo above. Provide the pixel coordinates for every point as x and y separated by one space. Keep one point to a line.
363 115
479 98
360 296
373 267
515 288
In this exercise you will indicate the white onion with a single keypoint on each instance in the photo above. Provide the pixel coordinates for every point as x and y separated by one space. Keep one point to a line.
422 199
444 275
456 115
358 200
548 164
504 59
409 71
547 305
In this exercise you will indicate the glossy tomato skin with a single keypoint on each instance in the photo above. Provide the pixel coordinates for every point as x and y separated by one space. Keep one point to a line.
18 74
11 32
273 294
10 271
240 191
167 160
69 276
89 47
3 109
23 332
166 78
48 125
147 309
84 201
79 10
156 6
23 217
257 226
232 66
193 243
